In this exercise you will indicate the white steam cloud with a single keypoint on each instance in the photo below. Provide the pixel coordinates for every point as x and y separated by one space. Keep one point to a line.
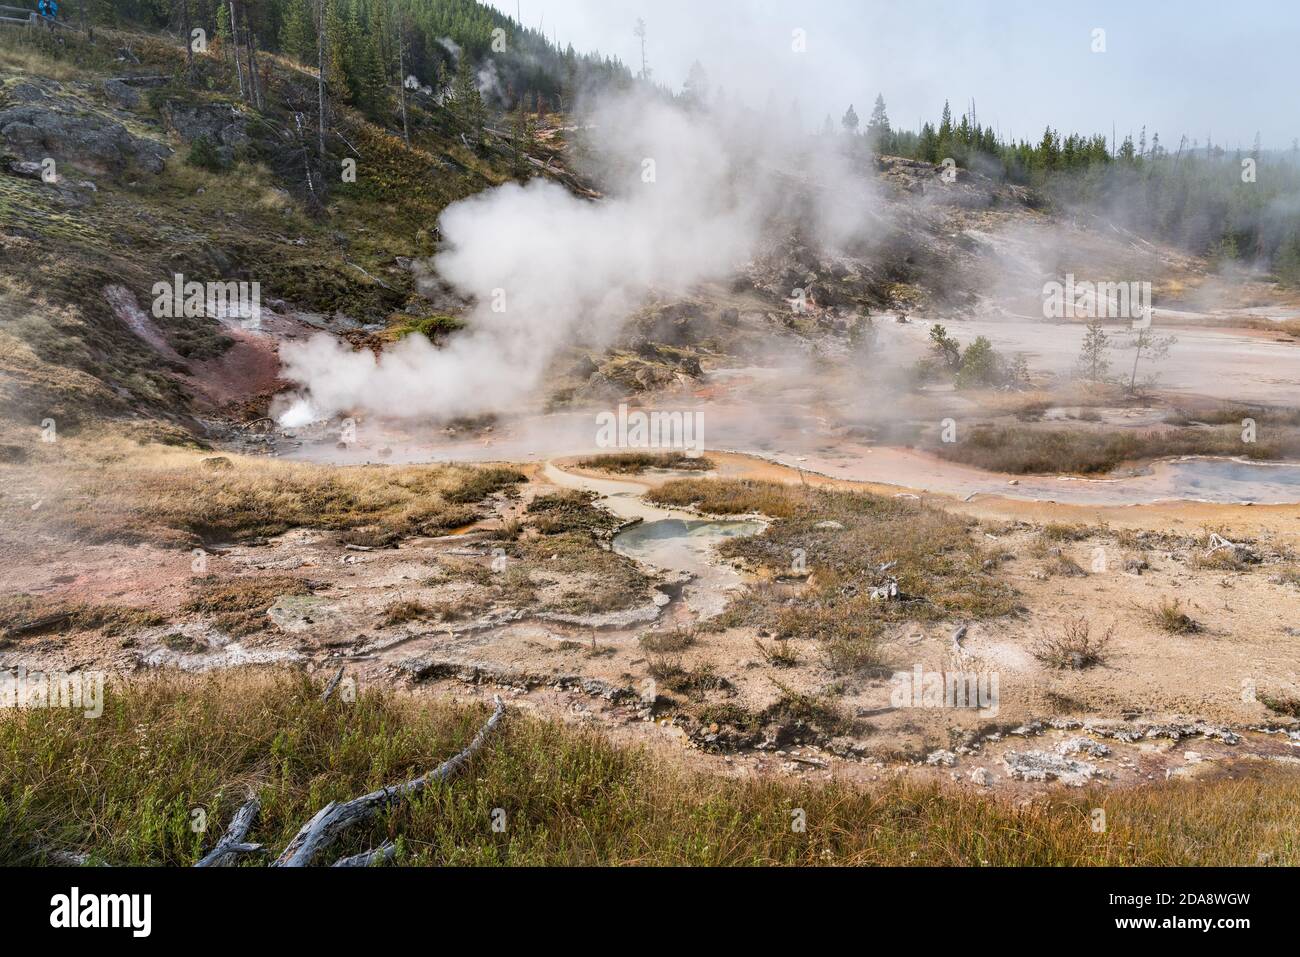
690 192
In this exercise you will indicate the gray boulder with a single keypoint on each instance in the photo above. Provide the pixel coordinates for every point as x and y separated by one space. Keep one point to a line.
223 126
36 131
122 93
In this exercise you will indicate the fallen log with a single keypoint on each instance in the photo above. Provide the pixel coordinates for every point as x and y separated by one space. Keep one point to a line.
232 842
384 852
335 818
334 683
958 634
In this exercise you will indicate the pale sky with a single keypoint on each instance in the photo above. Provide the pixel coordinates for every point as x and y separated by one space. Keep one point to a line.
1197 67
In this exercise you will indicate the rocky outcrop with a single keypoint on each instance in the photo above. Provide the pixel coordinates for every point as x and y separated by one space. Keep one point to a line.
39 125
221 124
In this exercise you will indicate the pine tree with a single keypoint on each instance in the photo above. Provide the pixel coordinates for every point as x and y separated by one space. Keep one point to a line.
1093 361
850 121
223 24
467 102
371 84
297 32
520 144
337 52
945 125
696 88
879 134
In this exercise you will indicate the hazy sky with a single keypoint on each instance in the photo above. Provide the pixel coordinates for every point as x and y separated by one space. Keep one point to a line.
1177 66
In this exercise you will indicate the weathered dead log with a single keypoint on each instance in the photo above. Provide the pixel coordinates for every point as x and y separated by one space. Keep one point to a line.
958 634
384 852
335 818
334 683
232 842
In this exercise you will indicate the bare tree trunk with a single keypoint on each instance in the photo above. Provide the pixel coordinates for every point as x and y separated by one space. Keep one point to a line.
253 82
401 80
320 79
187 25
234 44
248 49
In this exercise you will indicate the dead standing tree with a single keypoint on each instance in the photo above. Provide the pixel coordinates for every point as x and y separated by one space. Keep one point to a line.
401 74
331 821
187 31
234 45
320 79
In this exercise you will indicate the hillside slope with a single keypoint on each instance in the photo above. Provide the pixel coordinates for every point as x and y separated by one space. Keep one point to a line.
153 177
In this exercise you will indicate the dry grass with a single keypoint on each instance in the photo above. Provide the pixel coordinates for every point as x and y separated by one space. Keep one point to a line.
730 497
694 681
22 56
23 616
634 463
663 642
778 654
117 492
815 710
1075 646
1168 616
1220 560
1025 450
1288 705
854 652
1064 566
570 510
238 606
590 578
1060 532
401 612
165 747
845 538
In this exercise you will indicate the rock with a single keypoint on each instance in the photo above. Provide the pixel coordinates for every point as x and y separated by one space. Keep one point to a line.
829 524
25 168
1045 766
37 131
981 777
1083 745
941 758
122 93
220 123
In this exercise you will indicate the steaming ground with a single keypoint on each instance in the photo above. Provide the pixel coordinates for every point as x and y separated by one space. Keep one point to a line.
831 415
689 194
692 202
